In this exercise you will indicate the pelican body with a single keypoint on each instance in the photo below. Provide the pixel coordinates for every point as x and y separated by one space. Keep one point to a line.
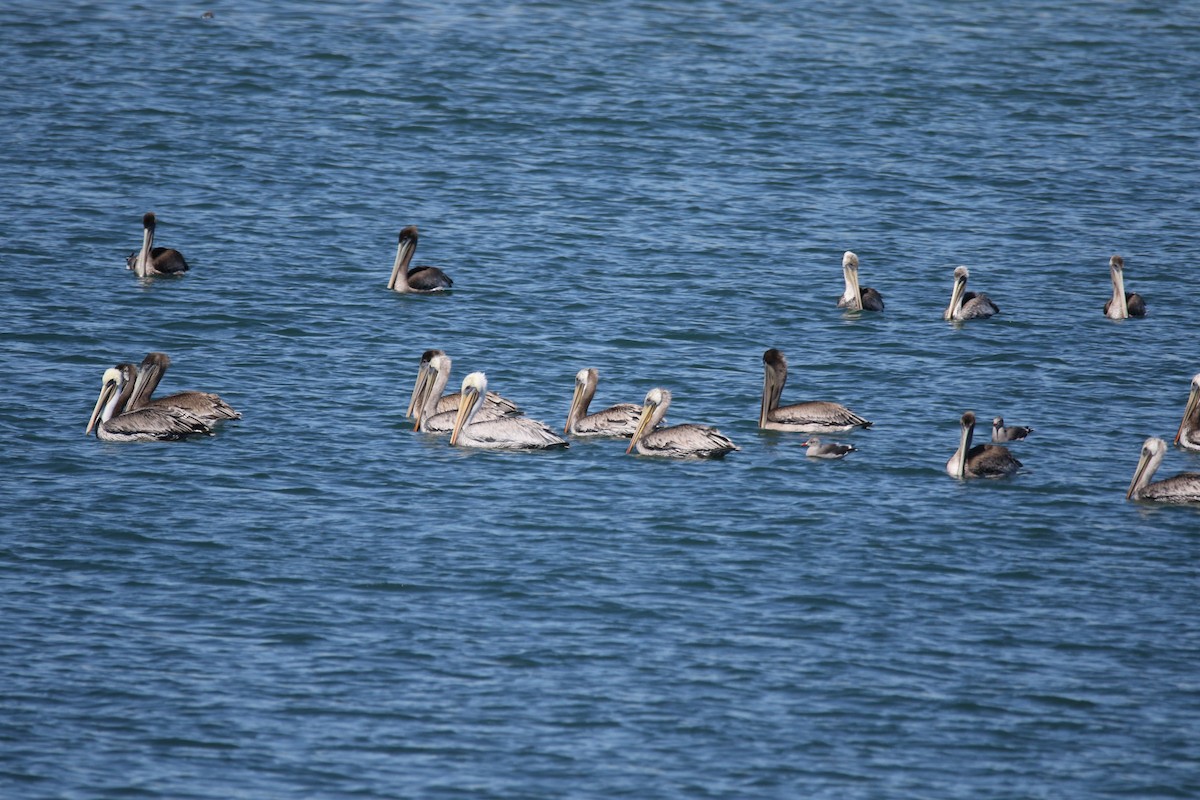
505 433
418 280
1188 435
113 424
855 297
1012 433
834 450
620 420
1122 305
1182 488
151 260
207 406
982 460
816 416
966 305
674 441
431 382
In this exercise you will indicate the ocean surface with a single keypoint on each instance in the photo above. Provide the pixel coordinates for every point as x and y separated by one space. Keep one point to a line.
319 602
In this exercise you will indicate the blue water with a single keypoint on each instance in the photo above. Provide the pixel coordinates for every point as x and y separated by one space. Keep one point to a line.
317 602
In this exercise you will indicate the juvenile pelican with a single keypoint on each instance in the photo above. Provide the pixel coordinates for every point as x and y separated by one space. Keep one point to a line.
674 441
143 425
500 406
856 298
618 420
1013 433
1182 488
428 392
967 305
505 433
982 460
418 280
815 416
818 450
1188 435
152 260
1122 305
207 406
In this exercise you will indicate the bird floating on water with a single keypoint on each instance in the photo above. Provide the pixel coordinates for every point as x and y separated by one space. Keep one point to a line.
832 450
427 397
113 423
1182 488
982 460
1188 435
1122 304
1012 433
619 420
418 280
967 305
674 441
815 416
504 433
207 406
856 298
151 261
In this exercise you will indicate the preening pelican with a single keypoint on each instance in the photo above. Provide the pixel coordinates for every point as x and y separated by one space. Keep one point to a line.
418 280
674 441
618 420
1182 488
967 305
1188 435
1122 305
505 433
427 384
1013 433
815 416
856 298
833 450
982 460
427 396
152 260
207 406
143 425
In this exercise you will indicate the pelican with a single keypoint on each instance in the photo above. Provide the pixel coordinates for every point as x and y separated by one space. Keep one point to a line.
1013 433
505 433
618 420
143 425
818 450
967 305
982 460
815 416
501 406
857 298
418 280
428 392
152 260
674 441
207 406
1182 488
1122 305
1188 435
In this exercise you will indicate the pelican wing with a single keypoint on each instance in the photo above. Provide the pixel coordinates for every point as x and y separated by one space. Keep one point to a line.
443 421
502 405
205 405
428 279
511 433
1182 488
977 306
818 416
686 441
991 461
619 420
155 423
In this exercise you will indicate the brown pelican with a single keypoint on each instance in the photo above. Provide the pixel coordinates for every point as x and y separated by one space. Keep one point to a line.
618 420
500 406
428 392
674 441
1182 488
1122 305
1013 433
818 450
505 433
152 260
967 305
207 406
982 460
1188 435
143 425
857 298
418 280
815 416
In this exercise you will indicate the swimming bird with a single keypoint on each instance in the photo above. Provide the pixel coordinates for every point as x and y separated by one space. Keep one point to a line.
427 396
618 420
982 460
675 441
113 423
1122 305
152 260
502 406
967 305
856 298
1188 435
418 280
505 433
818 450
1013 433
815 416
1182 488
207 406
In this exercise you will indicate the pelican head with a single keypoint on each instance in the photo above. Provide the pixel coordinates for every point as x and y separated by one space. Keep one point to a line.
1189 411
853 294
1153 450
414 402
585 388
997 422
961 274
474 390
653 410
405 248
957 465
109 385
